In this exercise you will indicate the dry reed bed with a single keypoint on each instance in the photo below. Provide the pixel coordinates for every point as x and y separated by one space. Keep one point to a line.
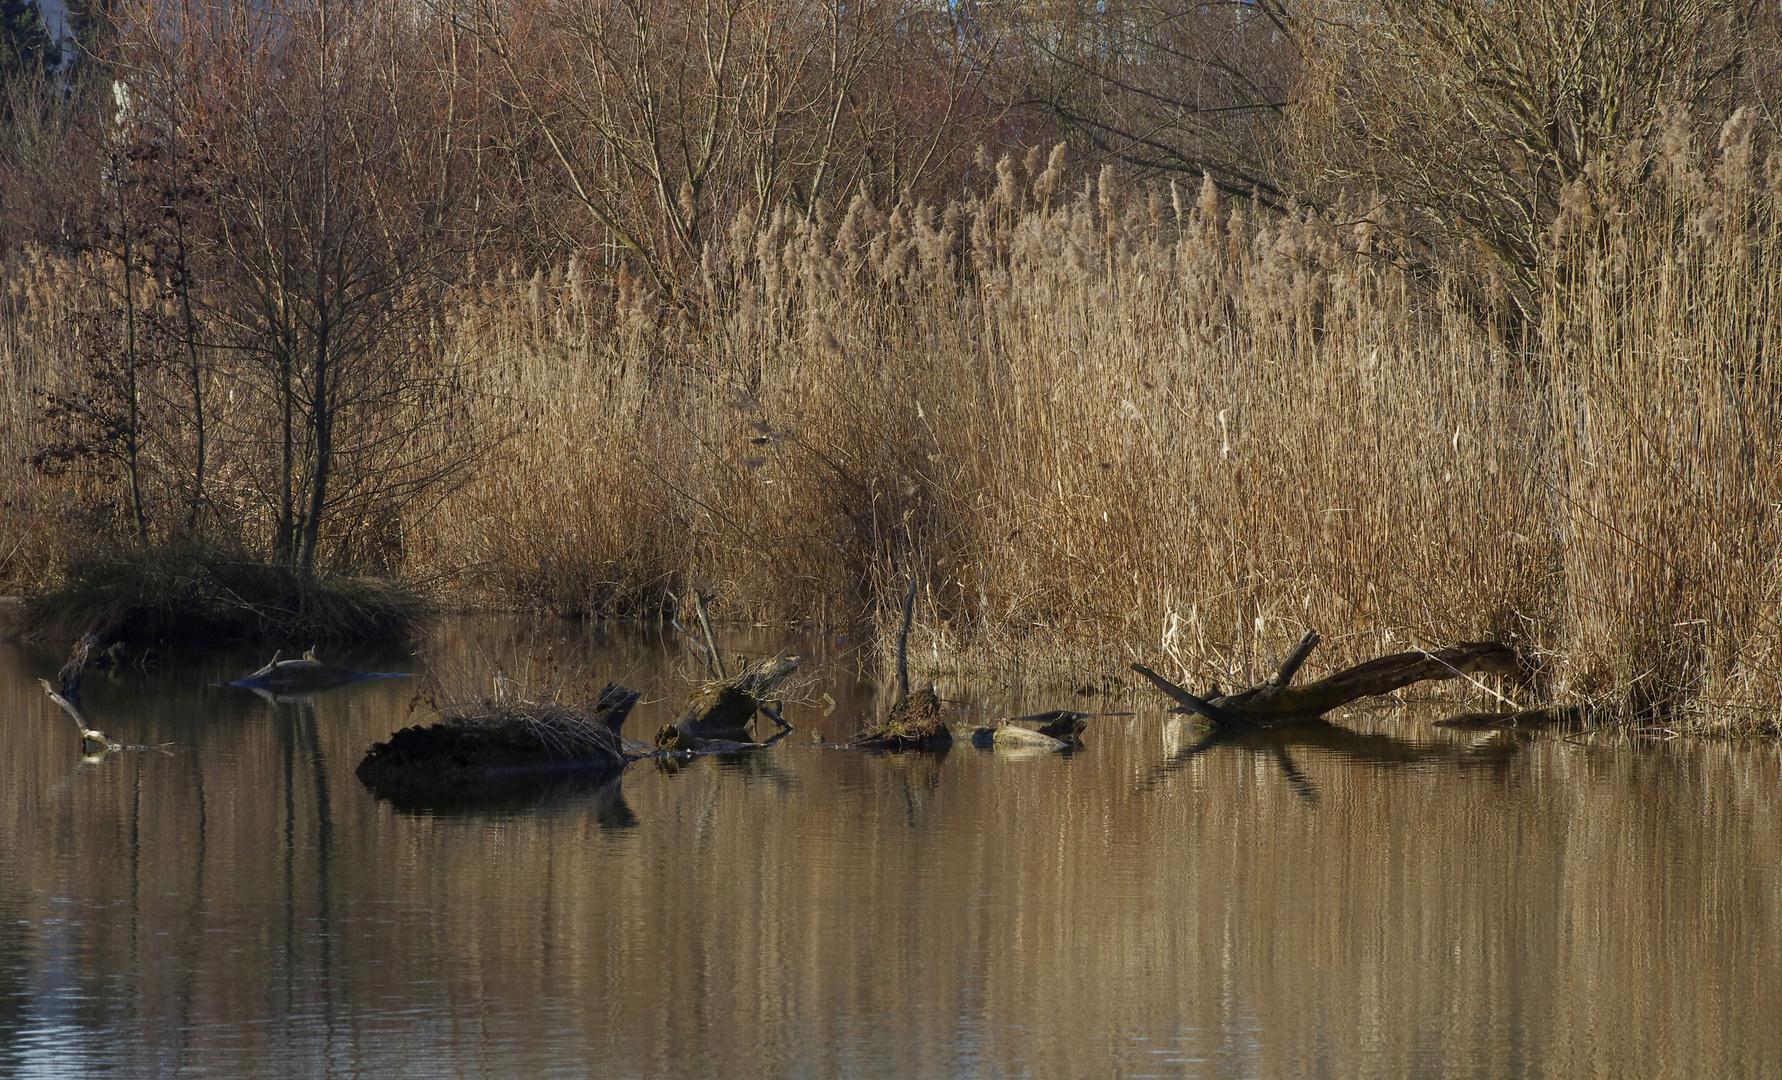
1107 423
1117 423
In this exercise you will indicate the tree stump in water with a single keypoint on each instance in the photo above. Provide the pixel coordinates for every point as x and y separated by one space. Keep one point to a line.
1278 702
725 707
914 723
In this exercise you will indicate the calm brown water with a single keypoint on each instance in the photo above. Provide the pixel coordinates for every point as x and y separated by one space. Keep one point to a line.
1397 902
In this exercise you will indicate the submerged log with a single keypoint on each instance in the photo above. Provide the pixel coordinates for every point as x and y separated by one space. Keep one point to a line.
1065 724
672 740
1569 717
1007 735
1277 702
305 675
502 739
724 707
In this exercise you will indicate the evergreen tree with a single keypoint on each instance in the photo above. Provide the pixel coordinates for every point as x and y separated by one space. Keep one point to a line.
25 46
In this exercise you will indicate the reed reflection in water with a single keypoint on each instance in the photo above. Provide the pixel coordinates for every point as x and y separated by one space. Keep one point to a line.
1373 898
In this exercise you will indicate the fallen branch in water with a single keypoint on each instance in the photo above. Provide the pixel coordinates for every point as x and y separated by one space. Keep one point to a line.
67 698
1278 702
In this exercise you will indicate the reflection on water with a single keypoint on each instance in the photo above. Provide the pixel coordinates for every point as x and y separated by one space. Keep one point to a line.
1375 897
1495 749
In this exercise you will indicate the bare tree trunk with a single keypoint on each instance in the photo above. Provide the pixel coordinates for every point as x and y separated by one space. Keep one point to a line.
132 391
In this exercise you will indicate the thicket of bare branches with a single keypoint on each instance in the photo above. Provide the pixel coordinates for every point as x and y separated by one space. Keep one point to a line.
662 122
1471 117
247 218
1173 86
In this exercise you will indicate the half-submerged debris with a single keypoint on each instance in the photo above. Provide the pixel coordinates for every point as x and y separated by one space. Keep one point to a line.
1054 729
1008 735
1278 702
504 738
305 675
725 705
1566 717
914 721
670 739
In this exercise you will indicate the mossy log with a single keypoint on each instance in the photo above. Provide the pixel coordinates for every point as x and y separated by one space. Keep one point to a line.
724 707
914 723
1278 702
502 739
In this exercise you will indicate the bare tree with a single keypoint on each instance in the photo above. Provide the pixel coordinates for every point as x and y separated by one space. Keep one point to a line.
1474 115
336 231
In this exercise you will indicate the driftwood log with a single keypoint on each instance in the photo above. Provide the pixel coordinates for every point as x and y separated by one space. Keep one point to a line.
1279 702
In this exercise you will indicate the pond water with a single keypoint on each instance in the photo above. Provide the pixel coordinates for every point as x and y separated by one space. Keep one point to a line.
1380 898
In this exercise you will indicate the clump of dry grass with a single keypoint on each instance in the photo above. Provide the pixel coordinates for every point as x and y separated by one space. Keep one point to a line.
192 591
1094 424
